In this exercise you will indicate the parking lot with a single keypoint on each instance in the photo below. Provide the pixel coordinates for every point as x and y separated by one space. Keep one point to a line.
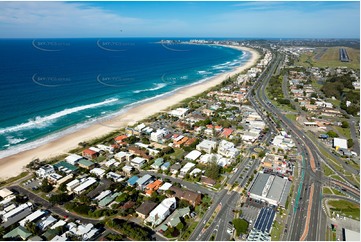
33 183
250 213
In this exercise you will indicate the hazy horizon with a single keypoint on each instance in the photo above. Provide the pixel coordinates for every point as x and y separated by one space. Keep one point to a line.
256 19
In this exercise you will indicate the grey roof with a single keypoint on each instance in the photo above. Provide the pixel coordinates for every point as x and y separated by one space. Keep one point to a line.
259 183
144 179
276 189
285 192
16 218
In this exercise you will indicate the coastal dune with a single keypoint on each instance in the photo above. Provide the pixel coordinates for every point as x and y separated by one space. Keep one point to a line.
13 165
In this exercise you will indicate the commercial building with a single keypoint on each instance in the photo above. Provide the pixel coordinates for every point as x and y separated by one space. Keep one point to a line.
339 143
270 189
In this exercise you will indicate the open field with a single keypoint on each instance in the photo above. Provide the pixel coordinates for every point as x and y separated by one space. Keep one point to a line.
329 57
345 208
345 132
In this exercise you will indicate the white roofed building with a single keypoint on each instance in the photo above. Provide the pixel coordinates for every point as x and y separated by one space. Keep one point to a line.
207 146
193 155
84 185
98 172
227 149
73 158
45 170
339 143
179 112
159 135
161 212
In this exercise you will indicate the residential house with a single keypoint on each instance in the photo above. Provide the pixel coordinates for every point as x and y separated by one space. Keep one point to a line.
165 166
209 182
90 154
144 181
159 135
18 232
186 168
73 159
206 146
144 209
138 162
157 163
175 168
152 187
98 172
227 149
193 198
44 171
86 164
157 215
193 155
132 181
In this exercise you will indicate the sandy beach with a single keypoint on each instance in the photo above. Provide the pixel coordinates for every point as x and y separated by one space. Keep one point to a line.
13 165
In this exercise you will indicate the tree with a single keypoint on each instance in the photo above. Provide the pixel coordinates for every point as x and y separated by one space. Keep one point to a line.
240 225
261 154
345 124
46 187
60 198
332 134
212 170
350 143
32 227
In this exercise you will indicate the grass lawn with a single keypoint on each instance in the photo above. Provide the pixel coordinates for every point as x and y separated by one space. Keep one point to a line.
189 231
329 57
291 116
326 190
276 232
177 154
326 170
337 192
335 102
343 132
345 208
337 178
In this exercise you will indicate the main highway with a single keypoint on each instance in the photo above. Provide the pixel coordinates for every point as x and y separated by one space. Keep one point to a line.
312 173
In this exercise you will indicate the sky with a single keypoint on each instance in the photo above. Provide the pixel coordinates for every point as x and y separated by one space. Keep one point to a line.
257 19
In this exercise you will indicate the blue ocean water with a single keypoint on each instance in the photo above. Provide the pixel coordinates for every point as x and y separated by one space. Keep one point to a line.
50 85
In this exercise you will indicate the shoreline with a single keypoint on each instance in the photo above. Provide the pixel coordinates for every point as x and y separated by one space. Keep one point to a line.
13 165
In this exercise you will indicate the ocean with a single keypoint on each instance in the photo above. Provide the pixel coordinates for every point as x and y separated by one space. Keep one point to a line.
51 87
